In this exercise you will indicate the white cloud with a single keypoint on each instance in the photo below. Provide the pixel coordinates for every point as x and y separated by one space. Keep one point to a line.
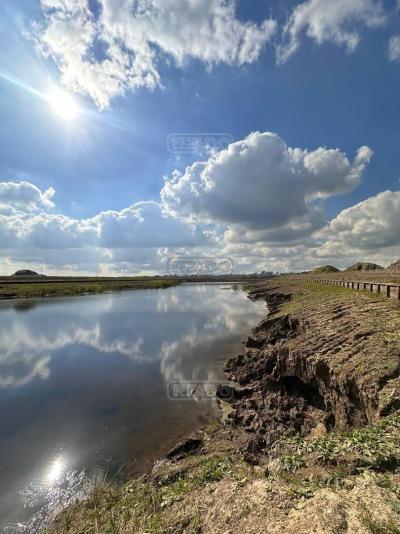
140 225
144 225
24 196
130 37
263 189
119 240
394 48
329 21
368 227
234 191
44 231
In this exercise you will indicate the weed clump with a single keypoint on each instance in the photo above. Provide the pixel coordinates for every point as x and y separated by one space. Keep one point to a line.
375 446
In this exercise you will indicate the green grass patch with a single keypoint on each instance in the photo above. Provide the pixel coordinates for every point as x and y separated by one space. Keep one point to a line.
374 446
52 289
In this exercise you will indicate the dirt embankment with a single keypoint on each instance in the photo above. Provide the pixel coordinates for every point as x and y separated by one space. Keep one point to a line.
310 442
325 356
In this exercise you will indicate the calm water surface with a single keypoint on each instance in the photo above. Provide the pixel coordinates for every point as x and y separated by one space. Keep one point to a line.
85 386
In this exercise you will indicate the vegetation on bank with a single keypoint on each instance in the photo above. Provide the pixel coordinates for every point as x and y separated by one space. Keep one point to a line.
216 489
375 446
53 289
150 505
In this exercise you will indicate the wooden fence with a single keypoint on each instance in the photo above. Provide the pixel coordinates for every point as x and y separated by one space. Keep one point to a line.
388 290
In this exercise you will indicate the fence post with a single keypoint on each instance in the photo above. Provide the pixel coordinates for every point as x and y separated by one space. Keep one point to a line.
379 288
388 291
398 292
371 288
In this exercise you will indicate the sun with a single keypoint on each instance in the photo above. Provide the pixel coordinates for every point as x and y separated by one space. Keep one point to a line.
63 104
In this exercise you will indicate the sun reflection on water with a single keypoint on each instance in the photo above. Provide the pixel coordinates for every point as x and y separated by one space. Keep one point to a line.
56 470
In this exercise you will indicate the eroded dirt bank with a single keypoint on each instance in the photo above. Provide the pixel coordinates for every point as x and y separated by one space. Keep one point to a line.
309 442
325 357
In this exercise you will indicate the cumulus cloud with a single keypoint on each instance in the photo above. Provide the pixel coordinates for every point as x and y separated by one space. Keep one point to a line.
262 188
144 225
44 231
117 238
394 48
119 50
141 225
369 226
326 21
24 196
258 202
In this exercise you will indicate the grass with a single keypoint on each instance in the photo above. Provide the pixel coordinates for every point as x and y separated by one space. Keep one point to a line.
375 526
53 289
375 446
144 506
172 505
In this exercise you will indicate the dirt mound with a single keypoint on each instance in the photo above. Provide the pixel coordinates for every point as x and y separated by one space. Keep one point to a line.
364 266
25 272
326 269
395 266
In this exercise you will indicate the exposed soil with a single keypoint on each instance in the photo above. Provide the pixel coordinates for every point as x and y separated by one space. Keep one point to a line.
330 360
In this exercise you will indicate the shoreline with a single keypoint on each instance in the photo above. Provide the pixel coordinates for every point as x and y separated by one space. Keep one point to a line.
316 399
13 290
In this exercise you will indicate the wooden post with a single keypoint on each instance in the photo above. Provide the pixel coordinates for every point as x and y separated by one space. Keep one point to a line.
379 288
398 292
371 288
388 291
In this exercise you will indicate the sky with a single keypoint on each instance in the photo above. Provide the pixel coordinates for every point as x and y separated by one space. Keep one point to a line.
136 132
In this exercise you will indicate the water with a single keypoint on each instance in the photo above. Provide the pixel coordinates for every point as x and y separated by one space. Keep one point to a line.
94 386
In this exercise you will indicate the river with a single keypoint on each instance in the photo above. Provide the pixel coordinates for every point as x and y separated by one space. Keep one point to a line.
97 387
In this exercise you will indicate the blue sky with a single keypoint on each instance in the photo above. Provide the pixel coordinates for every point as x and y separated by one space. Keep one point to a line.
337 89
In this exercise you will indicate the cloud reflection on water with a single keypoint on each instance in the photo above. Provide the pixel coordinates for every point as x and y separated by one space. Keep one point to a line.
86 381
30 341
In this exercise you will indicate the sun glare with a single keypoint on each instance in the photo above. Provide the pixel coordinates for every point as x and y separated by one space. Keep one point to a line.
56 470
63 104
